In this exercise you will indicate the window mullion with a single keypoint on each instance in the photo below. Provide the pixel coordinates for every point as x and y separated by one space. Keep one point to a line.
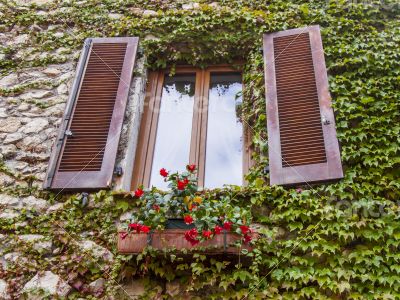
203 126
194 143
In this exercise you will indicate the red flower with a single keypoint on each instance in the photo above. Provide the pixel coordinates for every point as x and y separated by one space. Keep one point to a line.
135 226
247 238
188 219
123 235
185 181
217 229
245 229
156 207
181 184
191 236
163 172
227 226
207 233
139 193
145 229
193 207
191 168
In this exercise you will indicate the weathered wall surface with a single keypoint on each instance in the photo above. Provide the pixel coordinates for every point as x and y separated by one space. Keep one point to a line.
336 241
31 107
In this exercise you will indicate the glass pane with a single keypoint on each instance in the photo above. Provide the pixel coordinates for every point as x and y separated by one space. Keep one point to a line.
224 153
174 127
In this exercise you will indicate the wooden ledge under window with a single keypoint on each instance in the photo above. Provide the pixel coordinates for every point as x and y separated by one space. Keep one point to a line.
175 239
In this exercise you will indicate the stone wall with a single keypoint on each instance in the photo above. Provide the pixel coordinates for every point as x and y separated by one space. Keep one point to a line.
32 103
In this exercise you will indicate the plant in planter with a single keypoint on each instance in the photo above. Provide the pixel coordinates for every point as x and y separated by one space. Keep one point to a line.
185 206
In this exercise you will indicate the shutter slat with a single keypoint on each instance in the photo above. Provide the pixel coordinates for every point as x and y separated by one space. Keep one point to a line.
100 61
96 116
301 148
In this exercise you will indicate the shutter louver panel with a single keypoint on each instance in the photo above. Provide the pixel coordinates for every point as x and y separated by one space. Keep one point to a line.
303 147
296 87
85 154
93 111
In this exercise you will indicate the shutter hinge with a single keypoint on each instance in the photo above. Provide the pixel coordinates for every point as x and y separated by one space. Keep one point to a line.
266 170
84 199
118 171
88 41
69 133
140 51
325 121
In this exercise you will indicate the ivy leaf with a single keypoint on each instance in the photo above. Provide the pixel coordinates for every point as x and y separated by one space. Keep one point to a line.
344 286
242 275
122 205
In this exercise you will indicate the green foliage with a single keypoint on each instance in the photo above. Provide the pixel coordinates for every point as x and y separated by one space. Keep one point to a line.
332 241
208 215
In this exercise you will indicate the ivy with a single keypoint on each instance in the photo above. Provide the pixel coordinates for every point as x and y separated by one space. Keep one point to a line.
330 241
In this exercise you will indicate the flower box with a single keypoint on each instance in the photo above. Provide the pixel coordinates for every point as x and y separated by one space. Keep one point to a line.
197 220
174 239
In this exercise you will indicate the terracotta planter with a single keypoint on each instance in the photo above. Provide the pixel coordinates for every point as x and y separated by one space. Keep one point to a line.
174 238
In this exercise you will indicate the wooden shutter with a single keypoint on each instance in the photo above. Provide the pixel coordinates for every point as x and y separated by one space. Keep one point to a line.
302 142
85 152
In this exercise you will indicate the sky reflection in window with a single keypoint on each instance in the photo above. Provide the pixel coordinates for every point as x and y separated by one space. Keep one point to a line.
174 127
224 149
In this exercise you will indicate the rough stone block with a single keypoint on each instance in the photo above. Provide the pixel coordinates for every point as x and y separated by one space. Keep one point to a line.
50 283
11 124
35 126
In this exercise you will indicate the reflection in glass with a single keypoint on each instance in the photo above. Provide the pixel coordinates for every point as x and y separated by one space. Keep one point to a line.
174 127
224 153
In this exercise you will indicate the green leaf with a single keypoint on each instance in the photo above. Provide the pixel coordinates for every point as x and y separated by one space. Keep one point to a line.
122 205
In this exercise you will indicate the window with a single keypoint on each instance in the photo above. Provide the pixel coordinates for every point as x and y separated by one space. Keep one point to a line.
193 116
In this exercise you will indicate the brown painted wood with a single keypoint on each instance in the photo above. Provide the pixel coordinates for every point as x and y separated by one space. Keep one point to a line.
174 239
86 160
196 124
144 133
302 149
153 129
203 125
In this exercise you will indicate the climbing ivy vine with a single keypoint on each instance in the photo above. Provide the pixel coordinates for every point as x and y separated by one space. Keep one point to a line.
331 241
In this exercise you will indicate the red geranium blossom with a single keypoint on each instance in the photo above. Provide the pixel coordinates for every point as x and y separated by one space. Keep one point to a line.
145 229
191 236
181 184
193 207
247 238
207 233
217 229
227 226
135 226
156 207
139 193
188 219
191 168
163 172
139 227
245 229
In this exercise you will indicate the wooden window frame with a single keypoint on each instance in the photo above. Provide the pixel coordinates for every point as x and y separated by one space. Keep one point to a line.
148 128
